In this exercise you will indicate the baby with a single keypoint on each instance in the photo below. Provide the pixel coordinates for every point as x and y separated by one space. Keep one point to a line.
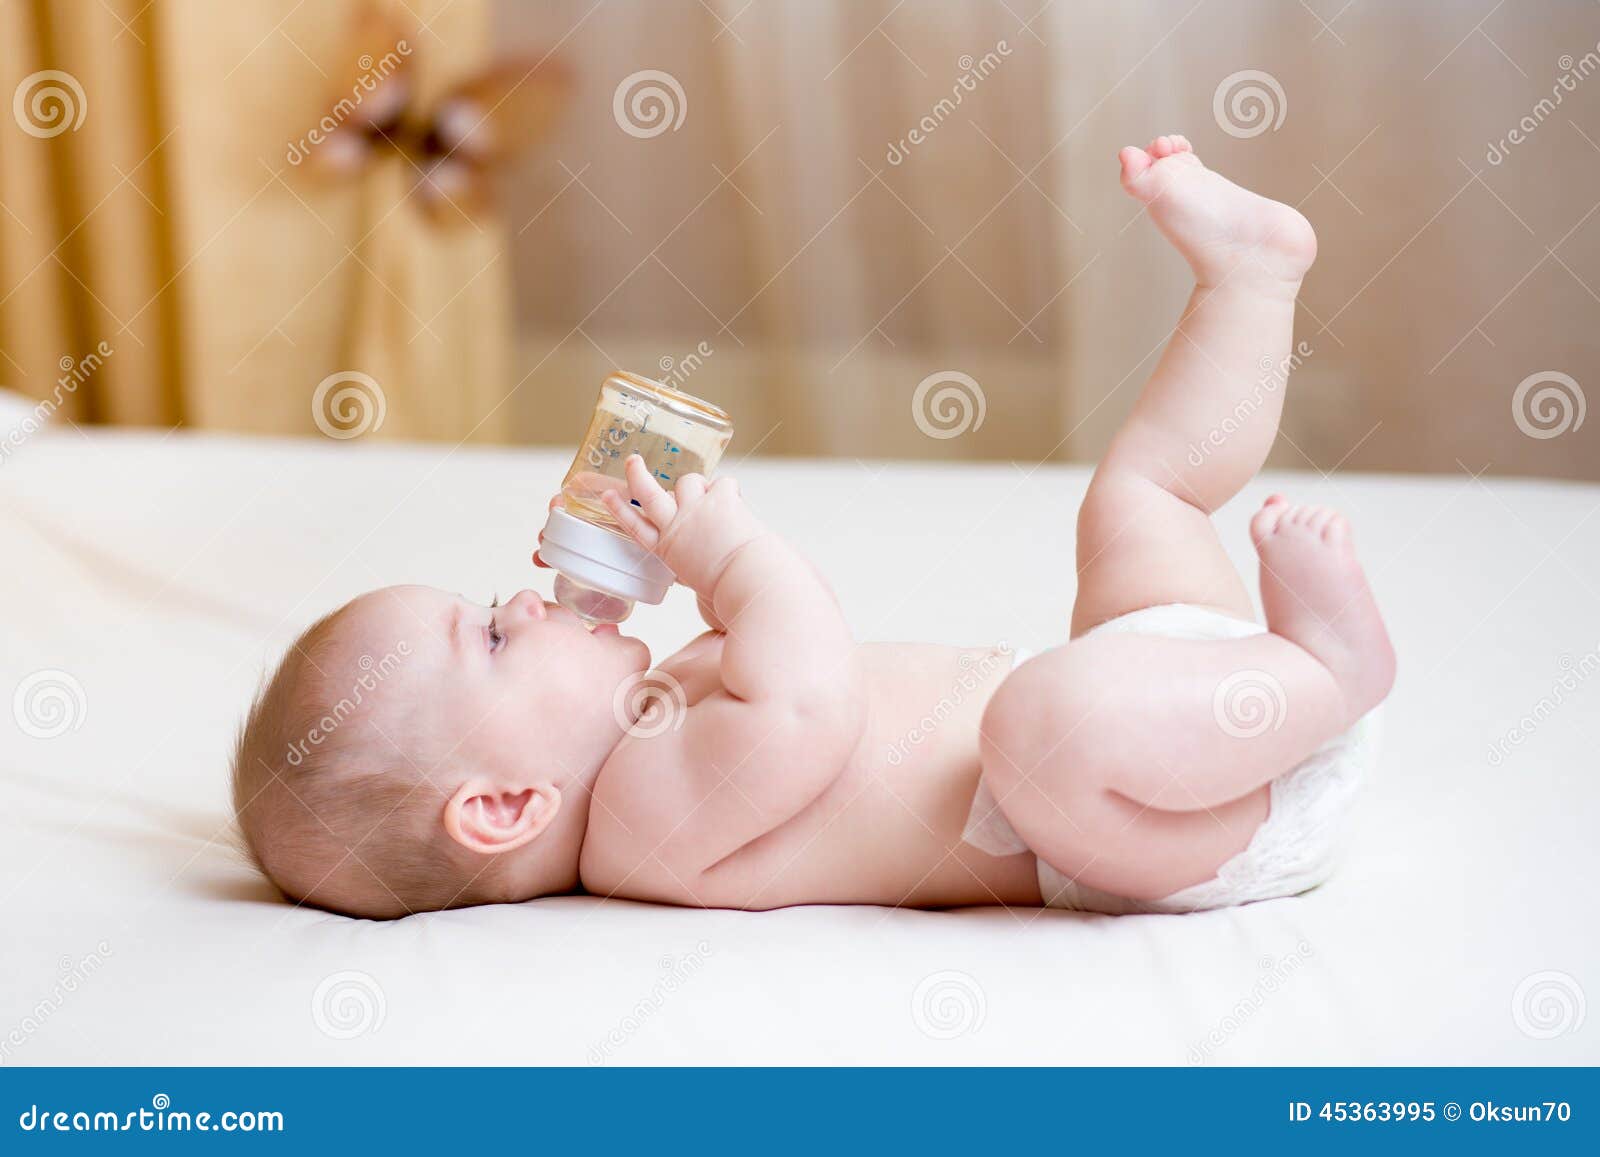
1174 755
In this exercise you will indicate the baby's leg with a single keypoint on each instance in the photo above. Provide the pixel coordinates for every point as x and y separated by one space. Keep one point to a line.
1205 420
1137 764
1122 759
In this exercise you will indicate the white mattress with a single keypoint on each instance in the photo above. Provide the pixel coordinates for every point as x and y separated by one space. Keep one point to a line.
163 573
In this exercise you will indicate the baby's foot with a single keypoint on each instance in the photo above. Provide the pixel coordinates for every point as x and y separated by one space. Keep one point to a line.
1227 234
1316 596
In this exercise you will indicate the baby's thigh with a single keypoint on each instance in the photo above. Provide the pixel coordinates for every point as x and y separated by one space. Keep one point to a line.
1050 744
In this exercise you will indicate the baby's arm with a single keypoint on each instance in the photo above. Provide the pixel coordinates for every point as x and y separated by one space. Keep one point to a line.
791 710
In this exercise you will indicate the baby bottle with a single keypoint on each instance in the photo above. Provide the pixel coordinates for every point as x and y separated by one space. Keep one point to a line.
601 571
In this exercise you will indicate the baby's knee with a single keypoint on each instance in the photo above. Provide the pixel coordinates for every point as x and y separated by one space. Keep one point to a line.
1116 494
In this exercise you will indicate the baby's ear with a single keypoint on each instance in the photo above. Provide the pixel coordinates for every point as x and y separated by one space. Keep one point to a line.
488 817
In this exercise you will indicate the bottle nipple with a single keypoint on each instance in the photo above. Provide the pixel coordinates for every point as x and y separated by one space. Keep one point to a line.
592 606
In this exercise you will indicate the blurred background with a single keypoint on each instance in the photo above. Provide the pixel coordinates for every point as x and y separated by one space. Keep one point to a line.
453 217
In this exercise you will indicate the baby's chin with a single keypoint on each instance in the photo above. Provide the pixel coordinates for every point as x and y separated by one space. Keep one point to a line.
636 649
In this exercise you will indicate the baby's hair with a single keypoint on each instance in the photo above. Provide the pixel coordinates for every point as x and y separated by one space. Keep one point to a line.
332 817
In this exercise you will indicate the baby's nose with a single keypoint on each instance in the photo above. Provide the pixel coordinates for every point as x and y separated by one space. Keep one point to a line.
528 602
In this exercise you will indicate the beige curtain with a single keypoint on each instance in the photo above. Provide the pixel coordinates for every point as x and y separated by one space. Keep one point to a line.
84 245
819 228
162 221
831 277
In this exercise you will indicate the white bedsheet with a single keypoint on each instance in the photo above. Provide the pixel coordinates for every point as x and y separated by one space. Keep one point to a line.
161 574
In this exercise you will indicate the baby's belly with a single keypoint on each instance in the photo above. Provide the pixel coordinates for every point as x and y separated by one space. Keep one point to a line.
888 830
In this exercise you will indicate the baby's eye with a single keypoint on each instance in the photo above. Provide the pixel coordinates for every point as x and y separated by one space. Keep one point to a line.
496 638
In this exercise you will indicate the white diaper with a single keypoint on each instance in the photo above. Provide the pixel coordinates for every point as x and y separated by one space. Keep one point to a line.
1292 851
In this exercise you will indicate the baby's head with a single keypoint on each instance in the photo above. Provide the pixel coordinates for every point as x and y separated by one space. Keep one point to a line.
415 750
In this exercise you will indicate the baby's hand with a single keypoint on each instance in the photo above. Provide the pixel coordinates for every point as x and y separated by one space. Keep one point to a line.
696 529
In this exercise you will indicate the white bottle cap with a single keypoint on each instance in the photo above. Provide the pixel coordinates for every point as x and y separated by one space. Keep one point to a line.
603 559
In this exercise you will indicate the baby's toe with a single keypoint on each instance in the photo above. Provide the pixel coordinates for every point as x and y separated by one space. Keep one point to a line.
1266 519
1135 162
